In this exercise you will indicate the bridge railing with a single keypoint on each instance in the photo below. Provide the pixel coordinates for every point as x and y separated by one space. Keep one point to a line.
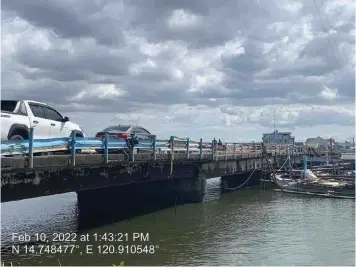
211 150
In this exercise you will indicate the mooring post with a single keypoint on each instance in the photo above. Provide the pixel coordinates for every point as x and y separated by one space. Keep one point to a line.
106 147
154 147
72 146
30 148
225 151
305 165
234 150
188 148
201 149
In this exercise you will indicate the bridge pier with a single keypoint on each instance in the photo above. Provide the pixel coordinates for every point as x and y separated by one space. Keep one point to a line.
240 180
124 201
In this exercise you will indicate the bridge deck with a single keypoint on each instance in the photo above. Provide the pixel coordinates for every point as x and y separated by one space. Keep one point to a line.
13 164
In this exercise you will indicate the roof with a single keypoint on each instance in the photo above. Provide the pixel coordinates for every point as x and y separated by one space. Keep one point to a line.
32 101
125 125
316 139
348 156
36 102
276 132
121 125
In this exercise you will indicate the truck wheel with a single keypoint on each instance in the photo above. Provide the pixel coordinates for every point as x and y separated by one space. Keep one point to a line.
16 137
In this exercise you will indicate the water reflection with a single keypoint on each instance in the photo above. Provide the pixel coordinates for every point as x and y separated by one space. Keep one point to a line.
60 213
245 227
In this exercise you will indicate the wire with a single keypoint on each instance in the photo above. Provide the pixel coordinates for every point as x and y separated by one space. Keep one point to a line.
241 185
326 18
327 32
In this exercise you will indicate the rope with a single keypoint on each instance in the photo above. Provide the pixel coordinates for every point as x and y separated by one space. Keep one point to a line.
283 165
238 187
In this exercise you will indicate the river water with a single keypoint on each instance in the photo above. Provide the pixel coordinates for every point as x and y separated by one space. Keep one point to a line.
251 226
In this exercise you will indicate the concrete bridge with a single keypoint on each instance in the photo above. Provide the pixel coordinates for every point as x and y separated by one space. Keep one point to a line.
56 174
106 183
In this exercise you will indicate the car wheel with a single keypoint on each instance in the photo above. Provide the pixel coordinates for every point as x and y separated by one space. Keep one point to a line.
16 137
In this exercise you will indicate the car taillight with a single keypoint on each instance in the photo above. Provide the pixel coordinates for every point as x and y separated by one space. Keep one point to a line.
123 135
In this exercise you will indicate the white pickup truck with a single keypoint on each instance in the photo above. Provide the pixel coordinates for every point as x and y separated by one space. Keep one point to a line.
17 116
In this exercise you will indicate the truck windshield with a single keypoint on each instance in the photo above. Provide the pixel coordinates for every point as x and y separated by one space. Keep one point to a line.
8 105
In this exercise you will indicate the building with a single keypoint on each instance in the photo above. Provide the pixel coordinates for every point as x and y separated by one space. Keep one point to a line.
278 138
298 143
319 142
346 146
298 147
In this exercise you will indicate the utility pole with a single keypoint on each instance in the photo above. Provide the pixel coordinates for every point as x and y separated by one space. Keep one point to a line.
274 133
274 126
274 119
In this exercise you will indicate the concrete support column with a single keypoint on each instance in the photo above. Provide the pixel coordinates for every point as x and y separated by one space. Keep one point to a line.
120 202
230 182
191 190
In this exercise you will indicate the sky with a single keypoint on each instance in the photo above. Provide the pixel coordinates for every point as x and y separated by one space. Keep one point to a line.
231 69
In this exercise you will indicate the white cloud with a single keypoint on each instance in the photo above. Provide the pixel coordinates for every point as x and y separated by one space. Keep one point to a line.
138 68
185 67
103 91
328 93
182 19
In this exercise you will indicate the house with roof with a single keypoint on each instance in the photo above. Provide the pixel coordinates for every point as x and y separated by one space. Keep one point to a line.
319 142
278 138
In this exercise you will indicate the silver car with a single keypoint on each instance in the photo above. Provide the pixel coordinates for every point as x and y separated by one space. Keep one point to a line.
124 131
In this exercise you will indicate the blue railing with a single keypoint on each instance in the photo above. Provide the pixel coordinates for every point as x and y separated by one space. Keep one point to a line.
152 145
73 143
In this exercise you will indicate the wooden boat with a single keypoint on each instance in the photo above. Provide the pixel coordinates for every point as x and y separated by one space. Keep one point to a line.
317 185
306 182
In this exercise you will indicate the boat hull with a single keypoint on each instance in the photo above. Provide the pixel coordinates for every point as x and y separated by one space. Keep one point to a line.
318 187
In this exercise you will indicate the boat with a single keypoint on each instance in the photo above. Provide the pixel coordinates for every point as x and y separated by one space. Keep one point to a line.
307 182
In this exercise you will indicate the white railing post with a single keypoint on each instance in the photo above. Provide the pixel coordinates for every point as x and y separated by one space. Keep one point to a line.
172 147
188 148
225 151
201 149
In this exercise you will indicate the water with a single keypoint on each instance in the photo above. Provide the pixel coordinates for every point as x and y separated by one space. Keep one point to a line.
245 227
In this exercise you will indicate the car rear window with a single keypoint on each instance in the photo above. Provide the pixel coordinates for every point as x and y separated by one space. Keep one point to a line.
8 105
117 128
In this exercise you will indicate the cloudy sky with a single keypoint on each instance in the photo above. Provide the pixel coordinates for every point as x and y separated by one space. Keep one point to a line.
186 68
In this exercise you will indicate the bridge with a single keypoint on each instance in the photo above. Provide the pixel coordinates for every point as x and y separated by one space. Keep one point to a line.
129 170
